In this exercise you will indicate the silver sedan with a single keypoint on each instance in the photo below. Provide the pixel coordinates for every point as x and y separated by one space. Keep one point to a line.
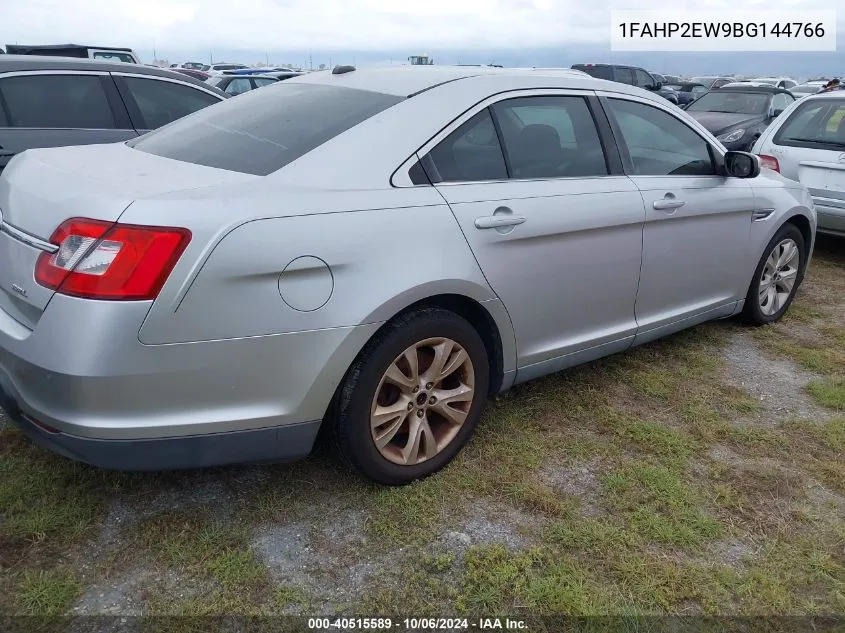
373 251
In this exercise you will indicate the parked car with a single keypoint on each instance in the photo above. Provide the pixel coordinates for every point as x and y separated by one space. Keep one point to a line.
102 53
304 309
235 85
808 88
630 75
51 101
807 143
283 74
778 82
712 81
194 65
672 79
190 72
687 91
218 69
738 115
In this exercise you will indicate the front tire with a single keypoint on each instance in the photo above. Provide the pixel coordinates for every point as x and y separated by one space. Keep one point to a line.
776 278
412 398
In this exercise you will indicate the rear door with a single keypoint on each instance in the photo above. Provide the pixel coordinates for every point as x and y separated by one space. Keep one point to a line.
155 101
554 224
56 108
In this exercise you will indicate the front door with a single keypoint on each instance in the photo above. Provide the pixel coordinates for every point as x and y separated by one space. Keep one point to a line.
698 221
556 233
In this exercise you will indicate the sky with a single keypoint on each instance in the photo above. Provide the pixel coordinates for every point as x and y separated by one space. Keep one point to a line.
511 32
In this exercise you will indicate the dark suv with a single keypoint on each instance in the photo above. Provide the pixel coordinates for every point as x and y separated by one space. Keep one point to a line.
630 75
54 101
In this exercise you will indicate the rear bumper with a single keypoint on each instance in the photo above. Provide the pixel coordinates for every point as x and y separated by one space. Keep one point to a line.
273 444
118 403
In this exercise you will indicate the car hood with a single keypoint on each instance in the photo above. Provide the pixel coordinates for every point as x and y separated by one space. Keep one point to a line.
721 122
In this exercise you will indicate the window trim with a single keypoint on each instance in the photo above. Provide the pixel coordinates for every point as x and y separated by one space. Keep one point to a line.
402 179
717 155
120 117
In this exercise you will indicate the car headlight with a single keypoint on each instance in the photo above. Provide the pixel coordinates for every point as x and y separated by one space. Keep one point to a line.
732 136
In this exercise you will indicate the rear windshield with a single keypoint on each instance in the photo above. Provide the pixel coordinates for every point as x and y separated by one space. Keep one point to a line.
731 101
817 124
599 72
263 130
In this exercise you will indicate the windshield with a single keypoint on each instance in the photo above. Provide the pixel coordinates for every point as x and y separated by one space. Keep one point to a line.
733 102
264 130
818 124
115 57
599 72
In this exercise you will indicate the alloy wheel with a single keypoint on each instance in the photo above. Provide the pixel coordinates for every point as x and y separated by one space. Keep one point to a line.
780 273
422 401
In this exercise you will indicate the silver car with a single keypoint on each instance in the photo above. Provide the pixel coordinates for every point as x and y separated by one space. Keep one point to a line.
807 143
376 251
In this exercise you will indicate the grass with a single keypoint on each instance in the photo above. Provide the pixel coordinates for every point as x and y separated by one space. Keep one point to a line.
47 593
640 484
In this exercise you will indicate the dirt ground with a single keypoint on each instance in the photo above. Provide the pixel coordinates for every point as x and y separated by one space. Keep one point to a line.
702 474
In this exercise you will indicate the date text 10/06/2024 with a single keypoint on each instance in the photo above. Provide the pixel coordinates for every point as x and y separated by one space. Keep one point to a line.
416 624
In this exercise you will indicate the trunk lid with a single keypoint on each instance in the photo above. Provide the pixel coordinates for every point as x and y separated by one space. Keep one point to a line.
42 188
825 180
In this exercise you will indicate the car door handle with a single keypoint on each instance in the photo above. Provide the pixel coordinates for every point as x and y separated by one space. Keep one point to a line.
498 221
668 203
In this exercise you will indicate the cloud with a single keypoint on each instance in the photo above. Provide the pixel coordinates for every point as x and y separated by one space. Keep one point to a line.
365 25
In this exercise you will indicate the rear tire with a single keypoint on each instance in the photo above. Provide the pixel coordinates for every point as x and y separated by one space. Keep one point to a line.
412 398
777 277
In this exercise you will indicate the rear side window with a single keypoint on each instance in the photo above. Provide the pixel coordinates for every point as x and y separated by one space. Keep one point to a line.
818 124
239 86
550 137
264 130
469 154
161 102
263 81
56 101
115 57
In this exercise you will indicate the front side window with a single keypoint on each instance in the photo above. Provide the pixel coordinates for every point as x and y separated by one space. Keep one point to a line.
625 76
660 144
780 102
642 79
732 101
550 137
818 124
471 153
263 81
56 101
264 130
161 102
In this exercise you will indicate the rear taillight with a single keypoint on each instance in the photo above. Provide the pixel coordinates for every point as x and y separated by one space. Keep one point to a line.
769 162
103 260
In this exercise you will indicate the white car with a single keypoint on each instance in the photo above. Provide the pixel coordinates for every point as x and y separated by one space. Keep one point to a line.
807 143
777 82
809 88
218 69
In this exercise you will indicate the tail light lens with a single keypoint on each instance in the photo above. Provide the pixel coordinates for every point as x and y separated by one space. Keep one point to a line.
769 162
104 260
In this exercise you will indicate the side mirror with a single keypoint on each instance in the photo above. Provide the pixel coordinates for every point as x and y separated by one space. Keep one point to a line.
742 165
654 87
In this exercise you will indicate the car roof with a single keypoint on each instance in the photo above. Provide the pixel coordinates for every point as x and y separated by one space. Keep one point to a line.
23 63
404 81
752 87
830 94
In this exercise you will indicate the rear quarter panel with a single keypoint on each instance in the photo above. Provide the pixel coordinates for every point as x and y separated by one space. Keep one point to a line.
363 264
